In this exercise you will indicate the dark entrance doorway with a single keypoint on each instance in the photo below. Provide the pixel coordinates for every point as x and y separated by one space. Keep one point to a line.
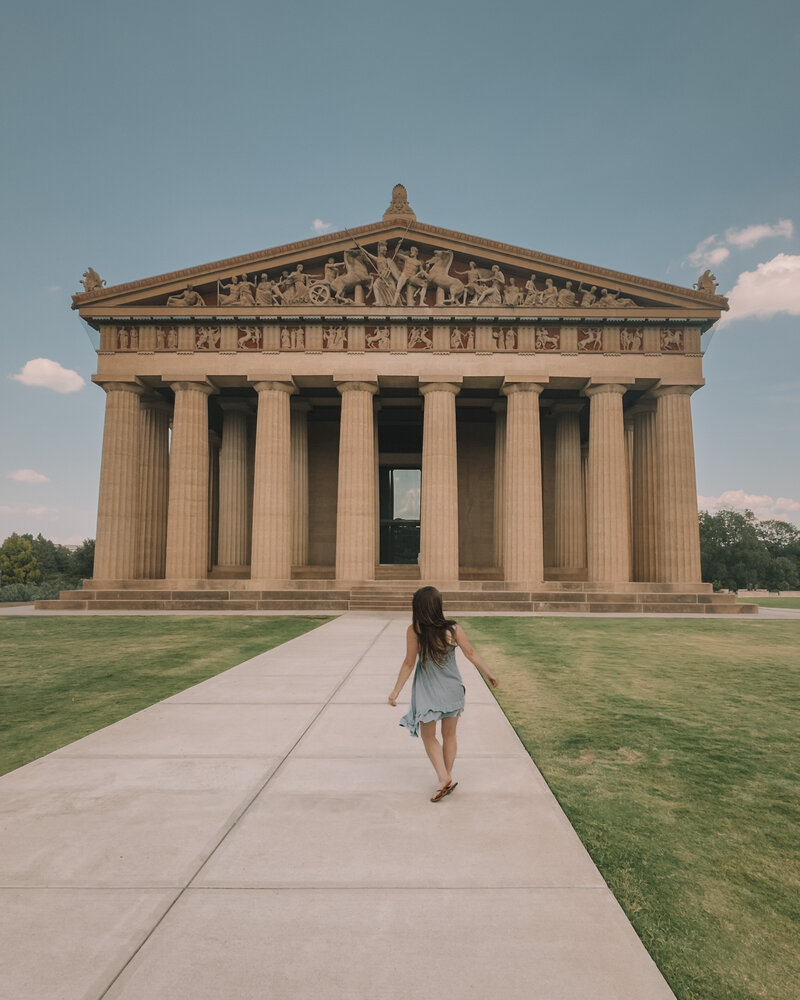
399 514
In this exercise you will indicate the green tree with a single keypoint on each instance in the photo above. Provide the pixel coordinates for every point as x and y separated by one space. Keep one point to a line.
780 574
17 561
731 553
82 560
54 561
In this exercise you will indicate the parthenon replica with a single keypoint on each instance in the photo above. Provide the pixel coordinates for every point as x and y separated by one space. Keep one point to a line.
325 424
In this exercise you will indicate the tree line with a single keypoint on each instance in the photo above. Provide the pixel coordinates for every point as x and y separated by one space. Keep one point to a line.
38 568
739 552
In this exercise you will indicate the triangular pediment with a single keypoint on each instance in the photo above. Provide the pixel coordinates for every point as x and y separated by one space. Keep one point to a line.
396 264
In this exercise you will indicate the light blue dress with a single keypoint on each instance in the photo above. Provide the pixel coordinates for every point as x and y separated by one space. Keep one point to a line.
437 692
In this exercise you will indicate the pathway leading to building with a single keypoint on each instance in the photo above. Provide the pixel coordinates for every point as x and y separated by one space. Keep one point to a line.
268 833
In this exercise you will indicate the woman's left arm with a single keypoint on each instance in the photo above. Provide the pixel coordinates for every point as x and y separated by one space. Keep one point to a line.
412 650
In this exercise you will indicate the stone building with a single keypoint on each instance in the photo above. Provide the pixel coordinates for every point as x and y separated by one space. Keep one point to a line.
325 423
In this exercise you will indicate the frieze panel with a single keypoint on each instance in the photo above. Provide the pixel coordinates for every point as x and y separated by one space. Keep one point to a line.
128 338
631 339
590 339
672 341
166 338
462 338
420 338
249 338
548 339
293 338
377 338
334 338
505 338
207 338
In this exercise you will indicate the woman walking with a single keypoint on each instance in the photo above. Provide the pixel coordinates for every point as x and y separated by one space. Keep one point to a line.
437 692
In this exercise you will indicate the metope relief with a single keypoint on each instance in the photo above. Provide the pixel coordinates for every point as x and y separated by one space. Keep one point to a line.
548 340
249 338
166 338
631 339
590 339
334 338
462 339
293 338
672 340
207 338
377 338
420 338
505 338
127 338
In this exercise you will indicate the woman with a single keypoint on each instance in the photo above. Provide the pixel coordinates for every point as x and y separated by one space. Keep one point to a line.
437 691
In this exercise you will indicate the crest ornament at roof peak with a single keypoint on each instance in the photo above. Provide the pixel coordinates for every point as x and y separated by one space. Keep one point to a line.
399 208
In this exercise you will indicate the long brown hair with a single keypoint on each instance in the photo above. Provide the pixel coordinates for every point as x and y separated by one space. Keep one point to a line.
430 625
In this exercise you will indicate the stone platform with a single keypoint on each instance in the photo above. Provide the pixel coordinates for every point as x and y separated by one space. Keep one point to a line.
487 596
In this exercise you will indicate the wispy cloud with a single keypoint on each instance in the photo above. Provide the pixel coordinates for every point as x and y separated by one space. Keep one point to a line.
28 476
715 249
750 235
764 507
49 374
22 510
319 227
774 287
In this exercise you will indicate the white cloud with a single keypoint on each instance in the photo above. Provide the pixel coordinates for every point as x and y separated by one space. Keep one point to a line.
750 235
28 476
17 510
706 254
53 289
765 508
319 227
49 375
774 287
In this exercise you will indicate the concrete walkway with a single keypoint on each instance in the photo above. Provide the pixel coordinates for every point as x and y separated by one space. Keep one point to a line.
268 834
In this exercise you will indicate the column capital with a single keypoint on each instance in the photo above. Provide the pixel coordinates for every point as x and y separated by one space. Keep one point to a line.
156 404
112 385
646 405
605 387
192 385
512 387
273 385
299 405
443 386
675 390
359 385
500 406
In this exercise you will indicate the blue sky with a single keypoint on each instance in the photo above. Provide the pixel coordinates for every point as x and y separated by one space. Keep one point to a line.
654 139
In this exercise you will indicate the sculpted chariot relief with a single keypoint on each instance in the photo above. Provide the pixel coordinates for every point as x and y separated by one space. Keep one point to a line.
383 276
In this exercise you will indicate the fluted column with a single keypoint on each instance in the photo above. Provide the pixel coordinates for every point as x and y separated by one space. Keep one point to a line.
570 510
187 514
499 407
627 423
214 446
355 505
154 488
608 539
272 516
644 511
233 505
439 507
118 503
299 445
678 539
523 550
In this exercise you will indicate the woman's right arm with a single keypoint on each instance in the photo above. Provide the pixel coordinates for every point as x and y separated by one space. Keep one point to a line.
412 650
473 656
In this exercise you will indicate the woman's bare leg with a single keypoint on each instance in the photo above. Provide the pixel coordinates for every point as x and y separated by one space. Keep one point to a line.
433 748
449 744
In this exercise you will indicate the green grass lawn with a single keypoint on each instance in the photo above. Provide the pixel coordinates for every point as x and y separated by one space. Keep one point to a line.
673 747
63 678
771 602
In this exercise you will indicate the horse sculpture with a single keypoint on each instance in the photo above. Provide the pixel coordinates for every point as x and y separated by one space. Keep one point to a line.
449 290
355 279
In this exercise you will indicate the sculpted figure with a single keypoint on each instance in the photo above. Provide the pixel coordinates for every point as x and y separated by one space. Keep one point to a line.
286 339
229 294
419 338
333 338
453 290
207 338
296 288
331 271
613 301
249 338
412 275
512 295
246 292
671 340
172 339
492 292
631 340
531 291
550 293
566 297
188 299
379 339
462 340
91 280
124 340
590 340
267 293
134 338
355 279
384 281
588 296
546 341
707 282
161 338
